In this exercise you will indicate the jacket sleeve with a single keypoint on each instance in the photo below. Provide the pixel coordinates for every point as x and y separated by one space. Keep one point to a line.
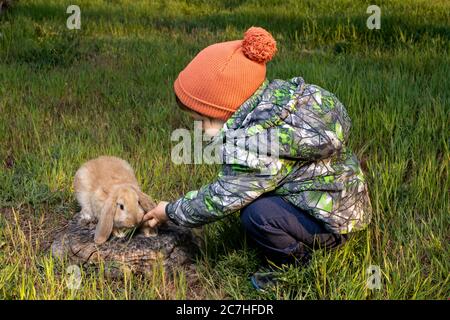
227 194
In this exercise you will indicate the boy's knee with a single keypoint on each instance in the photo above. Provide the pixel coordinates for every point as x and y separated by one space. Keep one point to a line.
253 214
247 217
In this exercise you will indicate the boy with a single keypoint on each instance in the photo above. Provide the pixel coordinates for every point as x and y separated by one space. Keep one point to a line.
311 194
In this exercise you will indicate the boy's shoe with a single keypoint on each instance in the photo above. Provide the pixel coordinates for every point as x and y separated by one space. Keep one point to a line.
263 280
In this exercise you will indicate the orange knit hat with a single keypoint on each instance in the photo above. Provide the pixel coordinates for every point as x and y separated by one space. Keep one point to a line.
224 75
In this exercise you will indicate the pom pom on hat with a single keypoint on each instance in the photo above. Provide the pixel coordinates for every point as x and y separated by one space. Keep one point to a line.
259 45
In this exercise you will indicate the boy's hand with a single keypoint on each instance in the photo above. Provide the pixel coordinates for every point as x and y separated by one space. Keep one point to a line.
157 215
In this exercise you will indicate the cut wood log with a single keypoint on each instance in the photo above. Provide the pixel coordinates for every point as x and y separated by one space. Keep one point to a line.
173 247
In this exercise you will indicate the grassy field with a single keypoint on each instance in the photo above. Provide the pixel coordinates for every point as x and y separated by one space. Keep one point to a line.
70 95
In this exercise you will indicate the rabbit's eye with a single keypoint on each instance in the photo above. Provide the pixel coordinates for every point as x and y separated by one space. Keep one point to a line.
121 206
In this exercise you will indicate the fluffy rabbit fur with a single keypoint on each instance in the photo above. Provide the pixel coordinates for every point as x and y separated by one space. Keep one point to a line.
107 191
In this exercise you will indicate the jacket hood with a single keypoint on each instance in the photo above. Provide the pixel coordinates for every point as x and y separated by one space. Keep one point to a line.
288 120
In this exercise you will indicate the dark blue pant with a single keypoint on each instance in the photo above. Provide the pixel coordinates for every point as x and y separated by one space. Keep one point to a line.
284 232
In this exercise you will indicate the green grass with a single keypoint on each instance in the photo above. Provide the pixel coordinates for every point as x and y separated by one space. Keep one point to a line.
68 96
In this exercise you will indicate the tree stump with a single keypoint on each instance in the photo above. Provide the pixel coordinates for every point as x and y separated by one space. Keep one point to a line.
173 247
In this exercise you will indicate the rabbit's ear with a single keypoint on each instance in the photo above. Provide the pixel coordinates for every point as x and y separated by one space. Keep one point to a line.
105 222
144 200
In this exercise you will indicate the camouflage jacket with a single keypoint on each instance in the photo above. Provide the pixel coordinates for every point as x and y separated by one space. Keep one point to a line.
312 168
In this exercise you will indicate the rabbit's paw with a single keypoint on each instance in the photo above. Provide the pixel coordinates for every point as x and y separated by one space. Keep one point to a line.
119 233
149 232
85 217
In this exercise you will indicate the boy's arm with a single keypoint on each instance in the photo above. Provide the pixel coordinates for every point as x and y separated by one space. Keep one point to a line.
228 194
317 127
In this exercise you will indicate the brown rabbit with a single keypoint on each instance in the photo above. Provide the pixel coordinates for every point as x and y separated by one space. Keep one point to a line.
107 191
